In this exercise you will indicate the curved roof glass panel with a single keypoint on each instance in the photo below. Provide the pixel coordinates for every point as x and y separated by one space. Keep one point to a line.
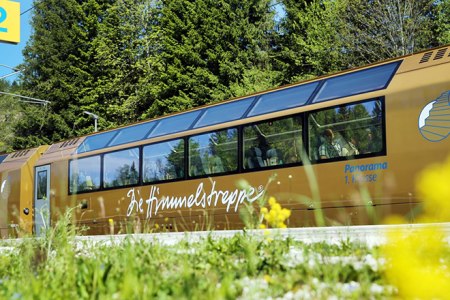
358 82
224 113
132 134
95 142
283 99
174 124
2 157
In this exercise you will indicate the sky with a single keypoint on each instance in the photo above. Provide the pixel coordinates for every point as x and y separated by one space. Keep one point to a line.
11 55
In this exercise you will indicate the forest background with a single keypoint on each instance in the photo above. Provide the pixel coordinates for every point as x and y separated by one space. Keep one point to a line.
130 60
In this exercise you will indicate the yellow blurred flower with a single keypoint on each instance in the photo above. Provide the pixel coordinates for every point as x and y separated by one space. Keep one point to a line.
276 216
433 185
417 261
267 278
415 264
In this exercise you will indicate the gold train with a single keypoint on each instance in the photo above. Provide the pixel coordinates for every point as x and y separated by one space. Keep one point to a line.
346 147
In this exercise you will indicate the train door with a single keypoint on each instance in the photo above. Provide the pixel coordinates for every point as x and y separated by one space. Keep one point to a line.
41 199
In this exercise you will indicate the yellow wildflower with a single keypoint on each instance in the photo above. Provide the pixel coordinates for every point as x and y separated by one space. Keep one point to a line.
433 186
272 201
267 278
415 266
276 216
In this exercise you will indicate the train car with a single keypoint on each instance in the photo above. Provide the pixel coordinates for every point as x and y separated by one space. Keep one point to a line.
16 191
340 149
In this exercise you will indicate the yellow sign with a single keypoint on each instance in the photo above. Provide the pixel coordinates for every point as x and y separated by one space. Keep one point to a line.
9 21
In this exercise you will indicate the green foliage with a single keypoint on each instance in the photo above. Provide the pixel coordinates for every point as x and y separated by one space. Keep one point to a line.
310 45
247 265
208 46
10 114
376 30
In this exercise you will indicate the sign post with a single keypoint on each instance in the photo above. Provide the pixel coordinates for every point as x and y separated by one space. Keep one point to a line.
9 21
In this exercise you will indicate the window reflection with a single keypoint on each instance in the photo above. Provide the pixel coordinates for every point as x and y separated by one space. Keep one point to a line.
41 185
164 161
273 143
213 153
349 130
121 168
84 174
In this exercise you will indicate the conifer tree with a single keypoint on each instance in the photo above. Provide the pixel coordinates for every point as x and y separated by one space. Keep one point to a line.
208 46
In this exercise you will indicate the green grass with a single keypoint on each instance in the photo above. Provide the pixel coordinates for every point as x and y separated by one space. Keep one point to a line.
242 267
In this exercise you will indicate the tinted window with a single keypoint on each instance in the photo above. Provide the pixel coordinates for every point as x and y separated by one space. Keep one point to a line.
84 174
372 79
95 142
121 168
273 143
131 134
2 157
284 99
346 131
41 185
224 113
163 161
175 124
213 153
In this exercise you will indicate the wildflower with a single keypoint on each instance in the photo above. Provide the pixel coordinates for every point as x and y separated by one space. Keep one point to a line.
433 186
111 226
276 216
416 264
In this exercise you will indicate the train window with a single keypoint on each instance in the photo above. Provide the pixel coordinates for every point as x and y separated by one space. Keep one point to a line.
283 99
224 113
121 168
163 161
346 131
363 81
95 142
271 143
175 123
131 134
213 153
84 174
2 157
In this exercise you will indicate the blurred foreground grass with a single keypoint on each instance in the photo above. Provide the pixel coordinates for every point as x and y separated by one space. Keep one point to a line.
242 267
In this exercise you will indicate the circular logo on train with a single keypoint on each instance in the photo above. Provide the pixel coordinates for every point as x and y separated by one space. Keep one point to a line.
434 120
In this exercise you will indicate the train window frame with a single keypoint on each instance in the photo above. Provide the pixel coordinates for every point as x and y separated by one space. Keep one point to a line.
96 142
352 83
182 177
281 161
119 140
137 166
382 131
200 163
271 101
71 191
221 113
176 123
